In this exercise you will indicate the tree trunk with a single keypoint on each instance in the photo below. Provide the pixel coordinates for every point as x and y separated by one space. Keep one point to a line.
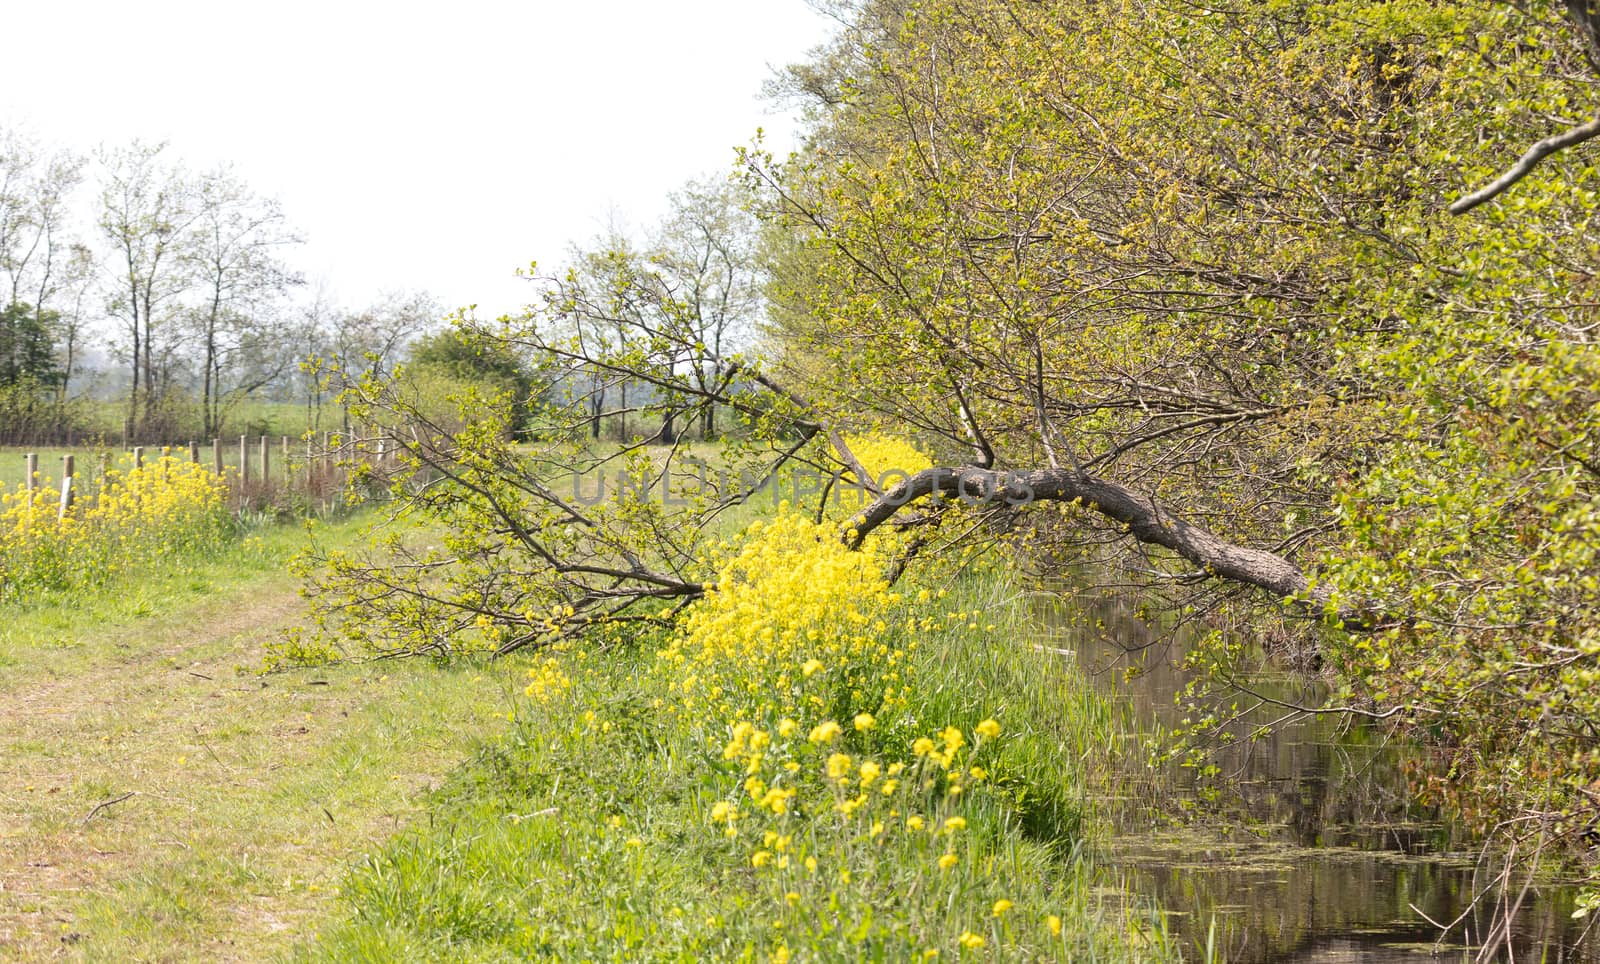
1141 516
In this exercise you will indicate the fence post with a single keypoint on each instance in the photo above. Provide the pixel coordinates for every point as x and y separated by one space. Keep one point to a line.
216 455
66 487
194 452
284 451
33 471
244 459
266 470
138 456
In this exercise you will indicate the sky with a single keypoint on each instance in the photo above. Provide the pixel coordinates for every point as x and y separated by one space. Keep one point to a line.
434 147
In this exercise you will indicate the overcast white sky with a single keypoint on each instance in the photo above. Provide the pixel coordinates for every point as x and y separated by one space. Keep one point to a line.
436 146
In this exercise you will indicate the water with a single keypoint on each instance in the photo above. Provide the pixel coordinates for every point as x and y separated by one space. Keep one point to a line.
1305 845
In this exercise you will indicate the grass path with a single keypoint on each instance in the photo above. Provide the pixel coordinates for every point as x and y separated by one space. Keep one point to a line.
250 793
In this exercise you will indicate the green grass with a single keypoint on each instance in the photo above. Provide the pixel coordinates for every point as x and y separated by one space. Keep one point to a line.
586 833
251 793
254 416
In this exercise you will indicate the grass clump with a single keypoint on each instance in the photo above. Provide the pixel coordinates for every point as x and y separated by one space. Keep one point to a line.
810 765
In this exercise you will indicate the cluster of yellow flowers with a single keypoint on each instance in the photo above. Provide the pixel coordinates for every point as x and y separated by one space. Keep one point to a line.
887 459
547 680
794 617
133 517
796 665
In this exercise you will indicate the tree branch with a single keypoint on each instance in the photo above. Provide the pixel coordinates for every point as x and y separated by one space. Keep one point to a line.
1142 517
1526 164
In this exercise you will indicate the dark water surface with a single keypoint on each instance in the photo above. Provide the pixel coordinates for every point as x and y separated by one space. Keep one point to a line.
1304 846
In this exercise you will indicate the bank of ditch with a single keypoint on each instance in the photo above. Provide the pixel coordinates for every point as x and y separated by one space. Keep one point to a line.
811 766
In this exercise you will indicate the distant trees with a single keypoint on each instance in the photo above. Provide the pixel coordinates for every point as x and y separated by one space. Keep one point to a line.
234 259
46 270
182 276
199 280
696 275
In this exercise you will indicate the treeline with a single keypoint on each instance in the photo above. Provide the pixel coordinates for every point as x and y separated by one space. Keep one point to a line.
177 284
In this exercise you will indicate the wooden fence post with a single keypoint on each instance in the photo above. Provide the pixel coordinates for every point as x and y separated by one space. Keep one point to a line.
66 487
33 471
216 455
138 456
284 451
194 452
244 459
266 470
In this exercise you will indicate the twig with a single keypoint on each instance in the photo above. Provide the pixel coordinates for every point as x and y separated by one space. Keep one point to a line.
1526 164
106 803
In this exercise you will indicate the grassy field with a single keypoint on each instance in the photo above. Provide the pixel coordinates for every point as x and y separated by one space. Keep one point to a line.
238 799
593 829
163 800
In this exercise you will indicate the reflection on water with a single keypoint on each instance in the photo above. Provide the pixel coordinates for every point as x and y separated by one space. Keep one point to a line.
1305 846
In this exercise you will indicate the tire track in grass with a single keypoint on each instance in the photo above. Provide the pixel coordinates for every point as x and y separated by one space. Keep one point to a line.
249 794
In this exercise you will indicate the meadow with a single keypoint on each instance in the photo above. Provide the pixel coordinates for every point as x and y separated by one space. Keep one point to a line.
813 764
809 763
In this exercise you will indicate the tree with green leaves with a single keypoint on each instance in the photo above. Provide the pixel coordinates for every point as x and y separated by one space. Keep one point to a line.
1173 290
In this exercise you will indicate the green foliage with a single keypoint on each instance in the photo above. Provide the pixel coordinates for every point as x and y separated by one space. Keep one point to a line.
27 347
461 357
1206 249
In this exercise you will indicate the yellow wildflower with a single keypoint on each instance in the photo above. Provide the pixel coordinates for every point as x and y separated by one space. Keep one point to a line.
825 732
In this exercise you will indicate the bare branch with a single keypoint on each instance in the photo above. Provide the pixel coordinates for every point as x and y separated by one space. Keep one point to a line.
1526 164
1141 516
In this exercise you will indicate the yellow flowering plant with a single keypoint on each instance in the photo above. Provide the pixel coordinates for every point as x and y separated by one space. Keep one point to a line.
134 516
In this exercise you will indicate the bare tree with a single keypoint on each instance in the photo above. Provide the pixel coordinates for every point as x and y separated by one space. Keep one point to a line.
367 344
146 210
234 258
705 267
39 255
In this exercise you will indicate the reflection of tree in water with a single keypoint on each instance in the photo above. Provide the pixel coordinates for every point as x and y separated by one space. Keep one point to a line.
1304 845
